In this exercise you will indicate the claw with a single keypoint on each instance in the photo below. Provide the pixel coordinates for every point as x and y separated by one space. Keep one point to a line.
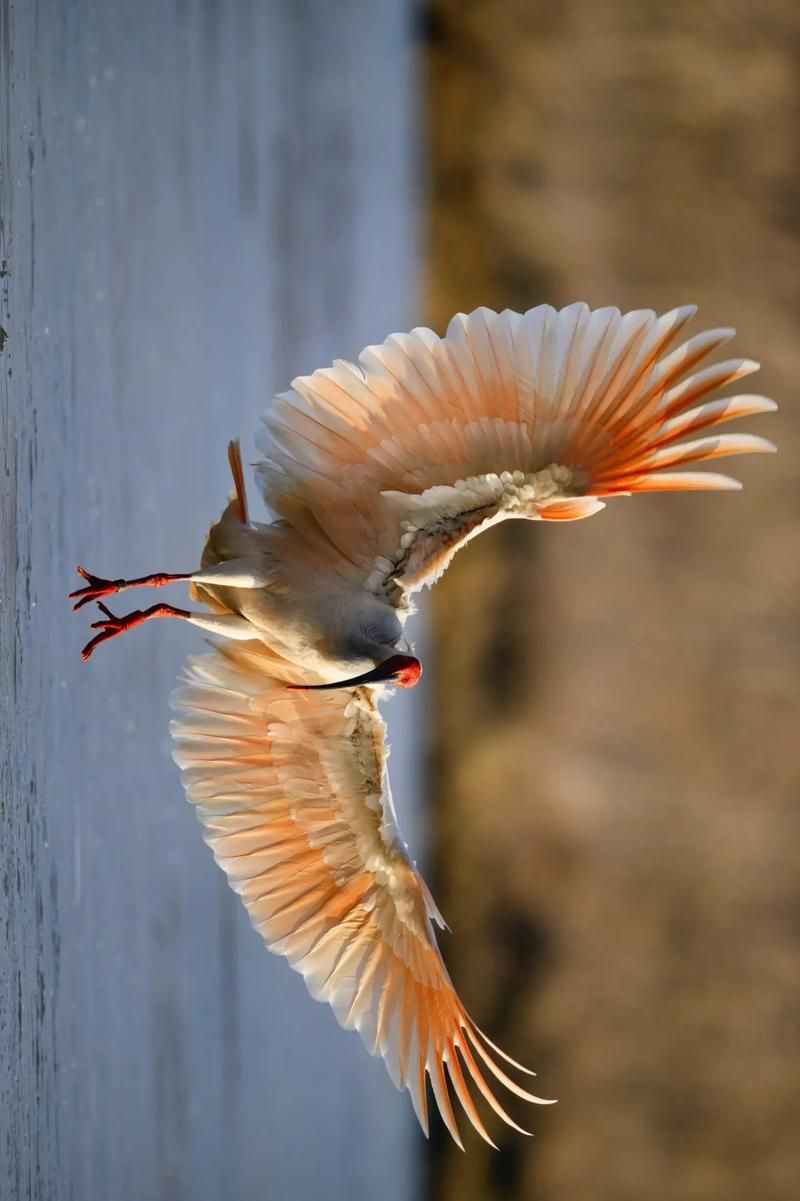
95 588
111 619
109 628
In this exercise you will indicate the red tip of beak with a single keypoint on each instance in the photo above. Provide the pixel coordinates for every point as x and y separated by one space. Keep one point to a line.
405 669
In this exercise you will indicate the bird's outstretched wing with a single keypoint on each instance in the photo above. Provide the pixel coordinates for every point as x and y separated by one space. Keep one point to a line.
293 793
389 466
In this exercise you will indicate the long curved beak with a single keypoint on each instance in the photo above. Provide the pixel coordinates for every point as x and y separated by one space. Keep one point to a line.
405 670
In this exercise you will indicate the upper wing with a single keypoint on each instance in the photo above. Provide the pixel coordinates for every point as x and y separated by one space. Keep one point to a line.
293 792
395 463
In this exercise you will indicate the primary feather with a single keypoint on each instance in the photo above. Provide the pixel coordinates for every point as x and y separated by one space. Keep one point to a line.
376 474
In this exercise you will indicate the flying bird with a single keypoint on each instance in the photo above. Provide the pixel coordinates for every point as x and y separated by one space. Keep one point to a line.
375 474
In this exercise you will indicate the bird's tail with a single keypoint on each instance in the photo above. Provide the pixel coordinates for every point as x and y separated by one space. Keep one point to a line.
237 471
230 537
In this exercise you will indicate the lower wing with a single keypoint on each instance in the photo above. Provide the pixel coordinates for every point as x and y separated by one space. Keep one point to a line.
293 793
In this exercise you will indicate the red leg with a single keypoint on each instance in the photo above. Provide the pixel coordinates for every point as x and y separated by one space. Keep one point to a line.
97 586
120 625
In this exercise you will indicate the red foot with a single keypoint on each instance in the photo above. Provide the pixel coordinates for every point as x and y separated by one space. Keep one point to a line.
97 586
113 626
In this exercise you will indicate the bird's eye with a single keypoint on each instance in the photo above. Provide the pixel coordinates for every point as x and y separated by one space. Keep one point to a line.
380 635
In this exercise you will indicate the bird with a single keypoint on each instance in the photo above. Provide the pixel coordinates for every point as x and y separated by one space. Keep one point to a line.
374 475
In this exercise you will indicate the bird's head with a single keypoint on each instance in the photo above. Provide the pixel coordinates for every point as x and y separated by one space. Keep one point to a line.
403 670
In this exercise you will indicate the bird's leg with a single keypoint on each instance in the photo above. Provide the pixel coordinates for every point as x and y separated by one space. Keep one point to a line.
113 626
230 625
96 586
234 573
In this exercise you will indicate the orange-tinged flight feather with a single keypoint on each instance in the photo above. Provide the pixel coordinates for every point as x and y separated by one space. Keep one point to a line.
294 797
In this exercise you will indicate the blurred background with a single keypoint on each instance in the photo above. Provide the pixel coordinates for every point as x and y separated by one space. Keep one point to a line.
617 836
199 200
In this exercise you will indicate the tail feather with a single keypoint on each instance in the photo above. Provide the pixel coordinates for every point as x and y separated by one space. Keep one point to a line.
235 460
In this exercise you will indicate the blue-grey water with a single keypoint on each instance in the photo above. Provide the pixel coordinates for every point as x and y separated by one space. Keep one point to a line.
199 200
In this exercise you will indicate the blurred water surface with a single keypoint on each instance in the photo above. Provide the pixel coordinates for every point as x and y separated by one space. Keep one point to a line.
619 829
198 201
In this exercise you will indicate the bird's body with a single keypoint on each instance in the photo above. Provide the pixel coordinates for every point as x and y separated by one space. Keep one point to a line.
310 618
376 475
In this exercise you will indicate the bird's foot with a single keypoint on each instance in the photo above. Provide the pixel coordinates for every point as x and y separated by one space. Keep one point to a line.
96 587
113 626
